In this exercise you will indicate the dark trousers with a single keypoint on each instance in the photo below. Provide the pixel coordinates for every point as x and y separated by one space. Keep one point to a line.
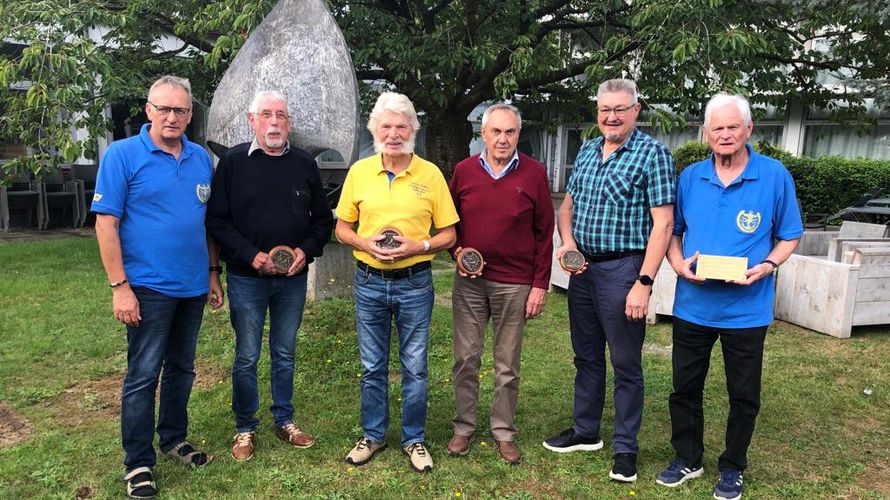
597 300
163 345
743 360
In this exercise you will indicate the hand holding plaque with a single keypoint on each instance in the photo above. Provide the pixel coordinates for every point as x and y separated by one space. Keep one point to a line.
469 262
283 257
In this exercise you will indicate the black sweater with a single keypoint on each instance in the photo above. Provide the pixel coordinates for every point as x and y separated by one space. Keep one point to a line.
263 201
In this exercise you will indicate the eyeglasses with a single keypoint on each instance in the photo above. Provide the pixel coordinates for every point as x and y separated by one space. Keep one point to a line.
619 111
165 110
267 115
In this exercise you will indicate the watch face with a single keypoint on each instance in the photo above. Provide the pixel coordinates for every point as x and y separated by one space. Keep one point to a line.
646 280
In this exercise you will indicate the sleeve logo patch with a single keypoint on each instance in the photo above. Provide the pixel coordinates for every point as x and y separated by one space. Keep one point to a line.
97 197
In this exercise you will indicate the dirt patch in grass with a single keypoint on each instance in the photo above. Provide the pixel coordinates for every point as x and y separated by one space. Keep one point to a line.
209 375
14 428
88 400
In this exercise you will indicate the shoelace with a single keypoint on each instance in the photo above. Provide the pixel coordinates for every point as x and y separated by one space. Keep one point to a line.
243 438
362 444
291 429
417 447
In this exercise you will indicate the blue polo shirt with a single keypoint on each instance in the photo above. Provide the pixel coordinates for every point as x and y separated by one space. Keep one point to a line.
160 202
739 220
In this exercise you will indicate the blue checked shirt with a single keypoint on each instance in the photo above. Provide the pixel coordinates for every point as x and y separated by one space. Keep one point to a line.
611 199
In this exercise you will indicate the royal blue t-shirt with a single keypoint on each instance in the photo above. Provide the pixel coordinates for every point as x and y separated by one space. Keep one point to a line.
160 202
739 220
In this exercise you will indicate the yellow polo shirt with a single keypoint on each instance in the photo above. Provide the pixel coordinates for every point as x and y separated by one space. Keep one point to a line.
415 200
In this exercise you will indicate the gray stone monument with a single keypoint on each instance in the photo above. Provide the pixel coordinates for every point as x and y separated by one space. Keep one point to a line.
299 51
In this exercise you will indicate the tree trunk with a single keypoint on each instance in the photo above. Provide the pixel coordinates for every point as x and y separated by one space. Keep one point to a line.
448 136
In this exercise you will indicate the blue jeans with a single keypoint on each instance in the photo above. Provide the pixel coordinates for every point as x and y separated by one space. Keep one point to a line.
249 298
410 301
596 318
166 338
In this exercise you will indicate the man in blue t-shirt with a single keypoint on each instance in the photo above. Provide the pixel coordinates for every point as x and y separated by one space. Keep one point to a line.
151 194
736 203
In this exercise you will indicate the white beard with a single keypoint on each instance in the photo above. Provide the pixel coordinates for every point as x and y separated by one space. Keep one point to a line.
407 146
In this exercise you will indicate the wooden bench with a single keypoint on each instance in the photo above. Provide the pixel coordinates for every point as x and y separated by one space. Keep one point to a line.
832 297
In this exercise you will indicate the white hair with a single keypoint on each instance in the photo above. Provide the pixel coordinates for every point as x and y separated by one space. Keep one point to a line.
503 107
619 85
172 81
267 95
723 99
394 103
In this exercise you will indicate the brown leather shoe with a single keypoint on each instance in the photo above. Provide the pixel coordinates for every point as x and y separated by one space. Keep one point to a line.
293 435
508 451
242 447
459 445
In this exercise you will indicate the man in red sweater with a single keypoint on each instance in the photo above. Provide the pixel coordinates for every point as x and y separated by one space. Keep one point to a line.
506 214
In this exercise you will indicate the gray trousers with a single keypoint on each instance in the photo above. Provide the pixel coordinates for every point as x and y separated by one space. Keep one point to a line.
474 301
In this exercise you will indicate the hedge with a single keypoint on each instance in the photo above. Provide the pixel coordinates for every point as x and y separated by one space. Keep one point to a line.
824 185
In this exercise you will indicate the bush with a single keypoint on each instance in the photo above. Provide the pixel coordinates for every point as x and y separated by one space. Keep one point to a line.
824 185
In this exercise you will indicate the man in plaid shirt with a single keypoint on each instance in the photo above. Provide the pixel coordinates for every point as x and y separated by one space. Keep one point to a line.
618 212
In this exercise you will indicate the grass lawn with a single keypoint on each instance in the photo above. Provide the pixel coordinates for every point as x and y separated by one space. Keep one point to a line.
62 359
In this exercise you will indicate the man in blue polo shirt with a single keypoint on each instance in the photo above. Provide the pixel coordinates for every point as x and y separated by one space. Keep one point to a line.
618 211
736 203
151 194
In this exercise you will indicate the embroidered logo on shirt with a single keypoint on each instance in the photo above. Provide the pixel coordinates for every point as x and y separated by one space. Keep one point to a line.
747 222
97 197
203 192
419 189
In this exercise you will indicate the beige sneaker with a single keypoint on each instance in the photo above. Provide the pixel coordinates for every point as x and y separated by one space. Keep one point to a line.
363 451
419 457
293 435
243 445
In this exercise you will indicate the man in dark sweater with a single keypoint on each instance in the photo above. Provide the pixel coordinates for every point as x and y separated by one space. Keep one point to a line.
267 193
506 214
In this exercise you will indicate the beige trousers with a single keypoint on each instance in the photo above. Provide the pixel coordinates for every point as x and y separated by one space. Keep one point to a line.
474 301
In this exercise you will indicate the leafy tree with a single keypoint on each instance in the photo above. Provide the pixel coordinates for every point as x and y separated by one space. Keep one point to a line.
449 56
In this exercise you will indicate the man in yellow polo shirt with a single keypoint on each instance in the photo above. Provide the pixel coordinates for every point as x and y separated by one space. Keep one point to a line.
396 197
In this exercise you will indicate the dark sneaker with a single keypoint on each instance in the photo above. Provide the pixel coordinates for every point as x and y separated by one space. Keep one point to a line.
677 473
568 440
625 468
729 487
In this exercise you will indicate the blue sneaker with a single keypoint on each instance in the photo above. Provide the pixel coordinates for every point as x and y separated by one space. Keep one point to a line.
729 487
677 473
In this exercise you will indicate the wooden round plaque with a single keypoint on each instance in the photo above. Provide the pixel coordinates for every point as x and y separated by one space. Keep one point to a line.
389 241
572 261
283 257
470 261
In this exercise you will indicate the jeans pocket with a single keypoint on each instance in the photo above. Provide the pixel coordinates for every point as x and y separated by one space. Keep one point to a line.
362 277
422 279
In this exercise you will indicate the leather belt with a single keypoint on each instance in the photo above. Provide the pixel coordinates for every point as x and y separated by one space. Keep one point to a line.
394 274
603 257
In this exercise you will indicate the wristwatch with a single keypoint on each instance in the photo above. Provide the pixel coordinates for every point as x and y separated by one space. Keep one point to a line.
645 280
426 245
